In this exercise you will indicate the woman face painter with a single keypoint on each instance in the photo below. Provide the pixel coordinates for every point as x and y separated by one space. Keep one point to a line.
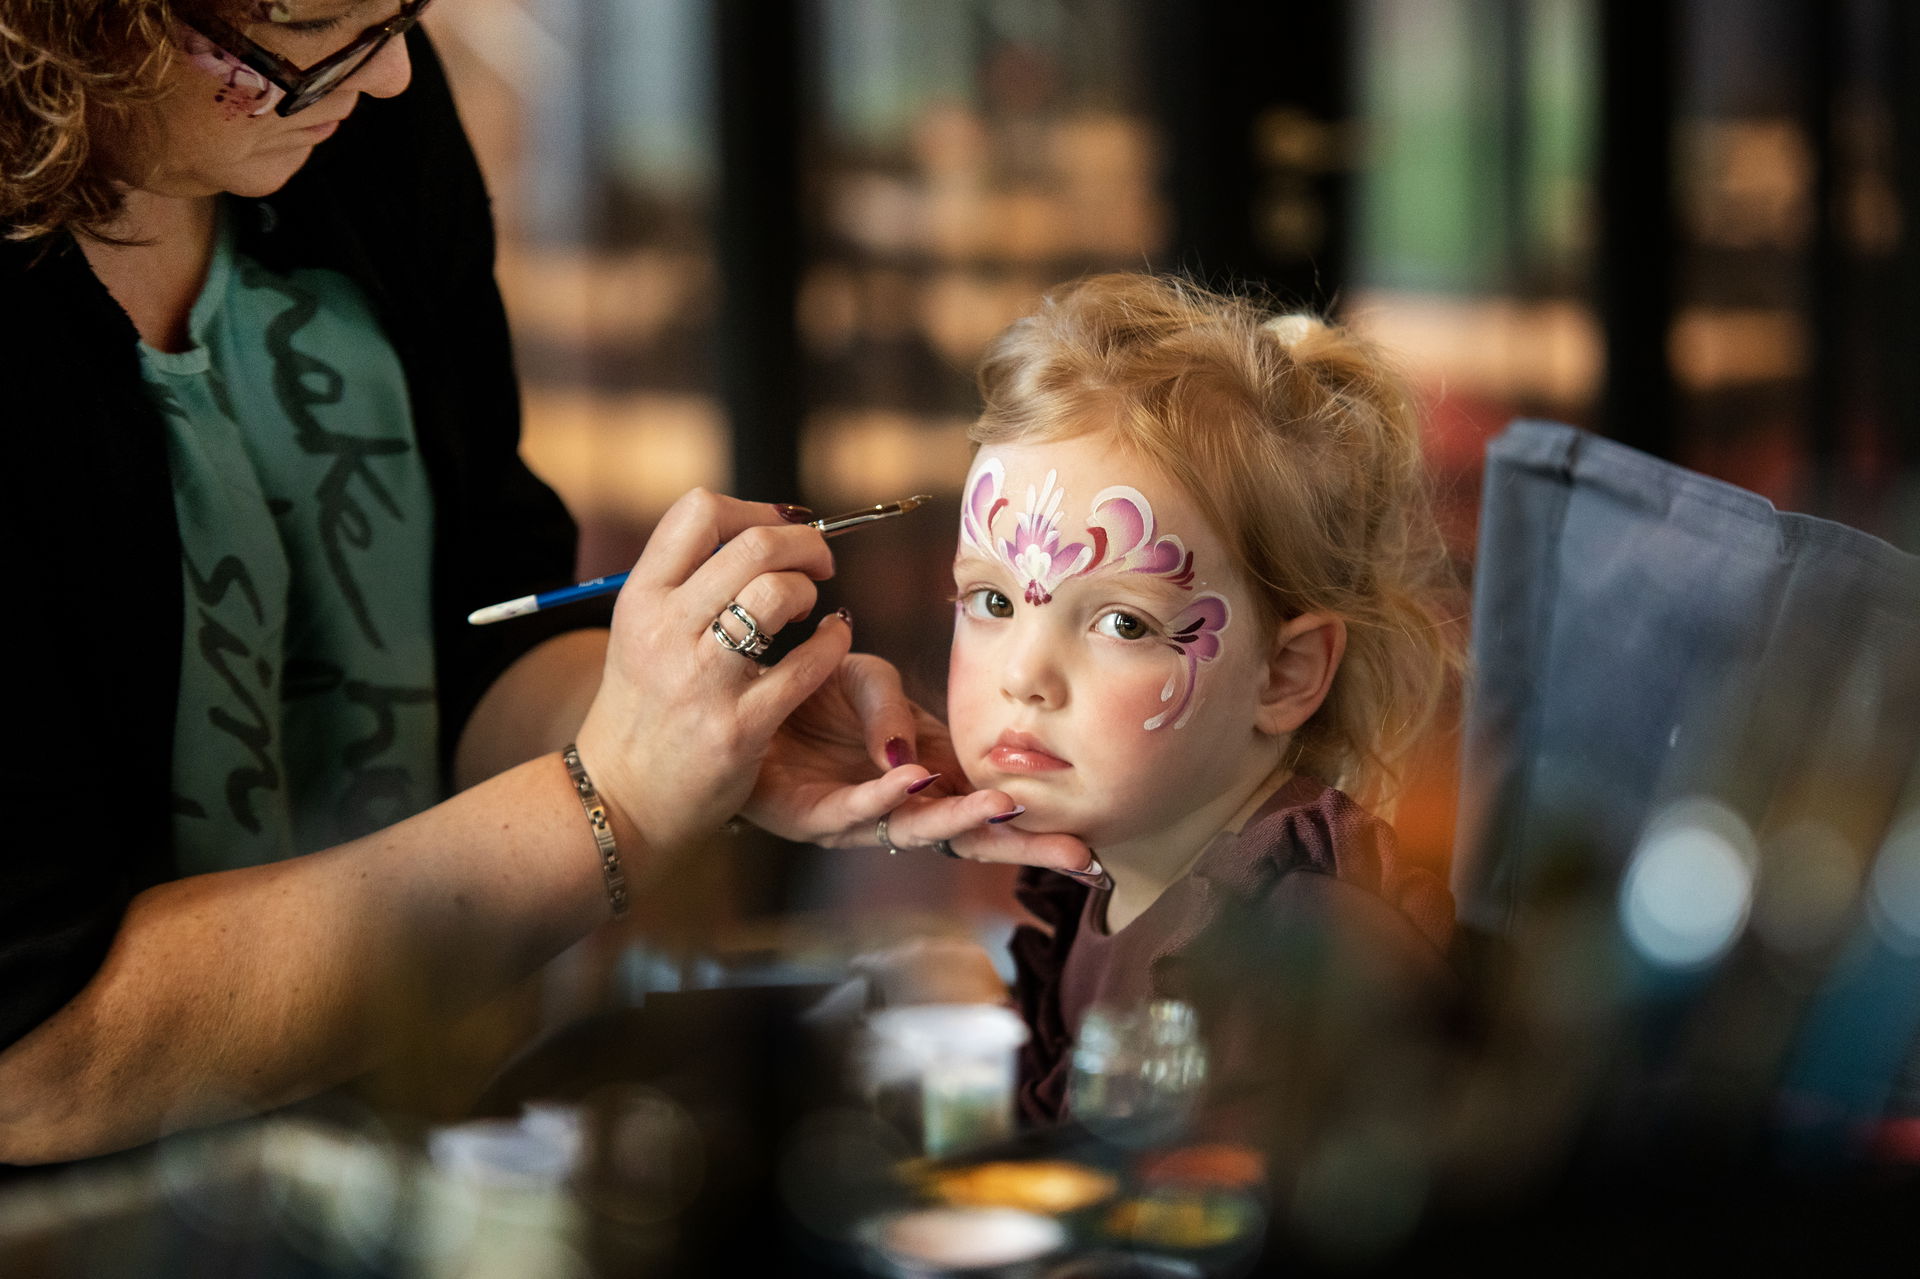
260 375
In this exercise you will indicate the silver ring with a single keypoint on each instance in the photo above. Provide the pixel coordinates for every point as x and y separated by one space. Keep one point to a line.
880 837
753 643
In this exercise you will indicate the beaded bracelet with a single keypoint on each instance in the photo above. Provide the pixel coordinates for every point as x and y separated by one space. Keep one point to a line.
602 829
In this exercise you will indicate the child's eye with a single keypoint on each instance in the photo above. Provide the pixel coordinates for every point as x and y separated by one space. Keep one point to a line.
1122 626
984 602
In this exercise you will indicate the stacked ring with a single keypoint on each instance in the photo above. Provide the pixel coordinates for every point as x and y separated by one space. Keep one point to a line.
753 643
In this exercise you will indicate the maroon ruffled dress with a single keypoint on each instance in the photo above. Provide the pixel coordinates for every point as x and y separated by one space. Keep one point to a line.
1304 928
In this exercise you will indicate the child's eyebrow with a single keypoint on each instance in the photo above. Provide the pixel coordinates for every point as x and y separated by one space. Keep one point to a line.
1146 585
1142 584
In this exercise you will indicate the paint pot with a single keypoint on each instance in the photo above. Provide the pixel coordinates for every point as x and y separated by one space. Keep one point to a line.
943 1074
1003 1242
1138 1073
497 1201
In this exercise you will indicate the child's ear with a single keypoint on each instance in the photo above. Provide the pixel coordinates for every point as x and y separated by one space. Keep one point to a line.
1305 657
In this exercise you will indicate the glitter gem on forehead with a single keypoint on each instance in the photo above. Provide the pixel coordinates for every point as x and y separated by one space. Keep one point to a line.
1121 538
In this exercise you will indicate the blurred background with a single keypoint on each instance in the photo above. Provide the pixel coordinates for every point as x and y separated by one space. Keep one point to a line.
759 246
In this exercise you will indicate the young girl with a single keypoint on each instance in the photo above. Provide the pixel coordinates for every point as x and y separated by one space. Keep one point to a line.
1196 624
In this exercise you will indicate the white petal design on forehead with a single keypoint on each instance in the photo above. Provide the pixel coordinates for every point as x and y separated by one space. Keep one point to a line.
1034 554
1035 549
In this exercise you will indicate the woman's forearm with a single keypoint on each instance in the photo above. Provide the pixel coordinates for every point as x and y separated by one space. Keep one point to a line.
251 988
534 707
227 993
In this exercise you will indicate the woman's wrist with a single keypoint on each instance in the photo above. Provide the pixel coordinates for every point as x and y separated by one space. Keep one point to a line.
600 821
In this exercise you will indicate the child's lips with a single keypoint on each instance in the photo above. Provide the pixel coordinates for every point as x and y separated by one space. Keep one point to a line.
1023 753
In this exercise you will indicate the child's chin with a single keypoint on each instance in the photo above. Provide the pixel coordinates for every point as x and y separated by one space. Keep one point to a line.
1038 820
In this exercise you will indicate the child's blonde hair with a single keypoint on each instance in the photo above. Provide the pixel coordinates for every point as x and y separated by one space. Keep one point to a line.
1300 444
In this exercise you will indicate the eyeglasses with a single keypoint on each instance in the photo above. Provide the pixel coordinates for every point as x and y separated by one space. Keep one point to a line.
252 69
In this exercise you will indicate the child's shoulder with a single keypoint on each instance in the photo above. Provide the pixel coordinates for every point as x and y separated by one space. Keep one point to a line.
1309 827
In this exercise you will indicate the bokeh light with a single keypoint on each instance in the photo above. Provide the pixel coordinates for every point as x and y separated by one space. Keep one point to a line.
1689 887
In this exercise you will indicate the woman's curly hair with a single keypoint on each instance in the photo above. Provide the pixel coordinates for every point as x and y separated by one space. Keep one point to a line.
1301 444
71 73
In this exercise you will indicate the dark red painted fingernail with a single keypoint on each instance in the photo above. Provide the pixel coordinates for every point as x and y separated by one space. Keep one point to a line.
923 783
792 514
846 617
1008 816
898 752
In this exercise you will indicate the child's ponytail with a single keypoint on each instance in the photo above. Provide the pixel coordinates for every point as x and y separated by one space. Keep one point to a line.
1391 574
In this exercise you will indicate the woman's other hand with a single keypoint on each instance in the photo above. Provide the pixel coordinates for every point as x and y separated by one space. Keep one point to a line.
843 758
678 729
858 750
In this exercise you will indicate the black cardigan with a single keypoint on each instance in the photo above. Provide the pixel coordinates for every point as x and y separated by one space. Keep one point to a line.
395 201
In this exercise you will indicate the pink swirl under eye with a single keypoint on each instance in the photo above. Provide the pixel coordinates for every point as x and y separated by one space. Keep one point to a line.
1195 636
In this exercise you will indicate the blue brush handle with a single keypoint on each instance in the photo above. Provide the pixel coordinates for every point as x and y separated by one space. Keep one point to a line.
546 599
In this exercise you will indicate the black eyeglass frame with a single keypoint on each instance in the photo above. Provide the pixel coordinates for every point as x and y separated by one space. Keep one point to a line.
301 87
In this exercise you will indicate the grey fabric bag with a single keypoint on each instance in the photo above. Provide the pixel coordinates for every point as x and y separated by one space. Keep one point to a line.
1649 641
1641 632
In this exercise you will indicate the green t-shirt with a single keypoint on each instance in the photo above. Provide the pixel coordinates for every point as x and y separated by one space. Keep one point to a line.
307 713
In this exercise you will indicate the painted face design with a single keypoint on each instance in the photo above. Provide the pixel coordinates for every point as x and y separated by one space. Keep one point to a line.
1121 538
245 89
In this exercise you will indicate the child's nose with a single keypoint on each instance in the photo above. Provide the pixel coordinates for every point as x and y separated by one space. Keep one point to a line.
1032 674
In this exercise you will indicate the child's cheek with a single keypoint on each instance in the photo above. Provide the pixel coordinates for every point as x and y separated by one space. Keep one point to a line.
1141 695
1129 701
965 696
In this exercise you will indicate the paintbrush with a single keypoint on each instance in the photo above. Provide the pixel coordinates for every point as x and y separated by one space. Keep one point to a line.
832 526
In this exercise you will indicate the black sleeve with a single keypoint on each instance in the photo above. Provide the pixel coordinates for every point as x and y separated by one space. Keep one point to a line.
91 544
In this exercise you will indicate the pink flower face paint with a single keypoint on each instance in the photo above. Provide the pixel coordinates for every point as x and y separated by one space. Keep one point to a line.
1121 538
243 90
1034 552
1096 608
